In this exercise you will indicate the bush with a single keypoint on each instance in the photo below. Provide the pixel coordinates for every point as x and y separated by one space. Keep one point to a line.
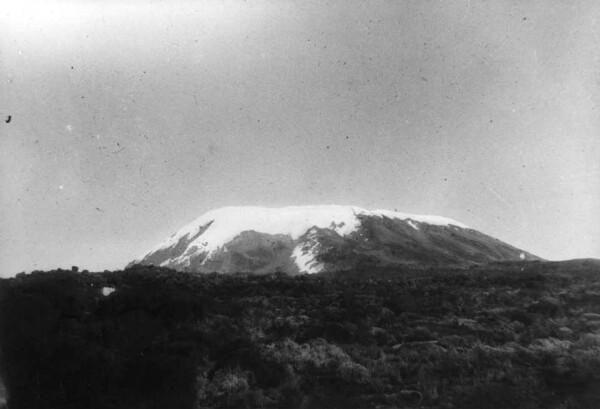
351 372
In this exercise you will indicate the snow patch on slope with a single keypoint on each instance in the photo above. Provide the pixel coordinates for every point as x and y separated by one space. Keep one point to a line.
413 225
432 220
305 255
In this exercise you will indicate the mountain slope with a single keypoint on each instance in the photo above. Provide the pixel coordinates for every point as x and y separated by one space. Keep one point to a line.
310 239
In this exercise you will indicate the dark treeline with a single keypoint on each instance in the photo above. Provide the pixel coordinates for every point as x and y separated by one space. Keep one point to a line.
518 335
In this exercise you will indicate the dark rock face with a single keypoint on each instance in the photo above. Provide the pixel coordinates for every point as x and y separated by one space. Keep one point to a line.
385 241
378 240
250 252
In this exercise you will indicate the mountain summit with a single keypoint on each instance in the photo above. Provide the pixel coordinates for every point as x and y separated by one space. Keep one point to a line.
310 239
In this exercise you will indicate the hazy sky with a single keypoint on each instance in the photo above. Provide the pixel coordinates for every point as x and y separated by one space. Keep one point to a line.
131 118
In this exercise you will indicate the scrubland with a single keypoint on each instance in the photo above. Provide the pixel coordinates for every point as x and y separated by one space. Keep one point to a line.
504 335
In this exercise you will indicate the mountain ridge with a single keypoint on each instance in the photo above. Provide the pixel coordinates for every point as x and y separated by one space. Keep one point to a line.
311 239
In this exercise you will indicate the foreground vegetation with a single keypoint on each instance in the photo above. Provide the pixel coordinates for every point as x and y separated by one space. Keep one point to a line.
516 335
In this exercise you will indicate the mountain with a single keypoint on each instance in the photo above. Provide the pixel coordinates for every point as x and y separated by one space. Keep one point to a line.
311 239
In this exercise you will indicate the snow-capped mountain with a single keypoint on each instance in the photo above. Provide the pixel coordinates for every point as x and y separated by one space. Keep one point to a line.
310 239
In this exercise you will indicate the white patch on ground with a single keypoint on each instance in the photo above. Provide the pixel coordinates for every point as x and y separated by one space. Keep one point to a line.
106 291
522 256
293 221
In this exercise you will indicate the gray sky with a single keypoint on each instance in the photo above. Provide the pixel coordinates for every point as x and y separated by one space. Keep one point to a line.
129 119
